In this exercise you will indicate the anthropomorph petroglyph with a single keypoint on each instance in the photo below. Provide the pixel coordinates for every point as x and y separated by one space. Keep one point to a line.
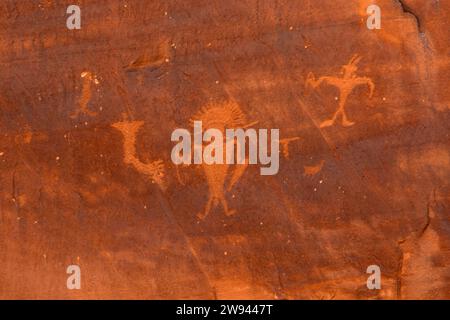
89 80
345 84
155 169
219 179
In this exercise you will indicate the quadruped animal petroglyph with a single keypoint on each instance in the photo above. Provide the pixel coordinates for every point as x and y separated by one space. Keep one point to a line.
345 84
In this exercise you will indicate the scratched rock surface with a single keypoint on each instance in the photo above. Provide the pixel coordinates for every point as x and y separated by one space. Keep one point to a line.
86 176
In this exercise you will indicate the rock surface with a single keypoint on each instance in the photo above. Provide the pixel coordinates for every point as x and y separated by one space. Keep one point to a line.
86 175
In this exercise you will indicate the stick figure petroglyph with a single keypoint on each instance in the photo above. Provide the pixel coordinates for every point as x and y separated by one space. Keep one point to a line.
86 93
223 116
155 169
345 84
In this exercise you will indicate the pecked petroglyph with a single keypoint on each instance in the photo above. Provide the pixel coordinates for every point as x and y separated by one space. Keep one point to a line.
285 145
345 84
29 135
86 93
155 169
313 170
218 176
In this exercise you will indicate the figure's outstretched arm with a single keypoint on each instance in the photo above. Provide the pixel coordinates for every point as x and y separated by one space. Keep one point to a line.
369 83
311 80
371 87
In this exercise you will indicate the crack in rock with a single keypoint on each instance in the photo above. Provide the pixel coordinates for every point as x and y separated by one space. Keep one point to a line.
407 9
412 240
420 28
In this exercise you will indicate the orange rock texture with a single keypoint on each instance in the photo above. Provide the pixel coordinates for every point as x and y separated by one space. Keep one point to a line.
86 176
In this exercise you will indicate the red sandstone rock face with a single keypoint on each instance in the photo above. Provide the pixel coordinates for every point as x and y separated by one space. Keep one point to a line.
87 179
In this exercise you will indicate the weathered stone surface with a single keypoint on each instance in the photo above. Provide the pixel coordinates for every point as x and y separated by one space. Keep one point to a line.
87 114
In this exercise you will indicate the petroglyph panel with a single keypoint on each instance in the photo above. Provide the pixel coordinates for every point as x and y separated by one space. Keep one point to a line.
87 180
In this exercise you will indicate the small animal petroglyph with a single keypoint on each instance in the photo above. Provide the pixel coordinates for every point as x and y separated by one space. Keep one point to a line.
86 92
313 170
222 116
285 145
345 84
155 169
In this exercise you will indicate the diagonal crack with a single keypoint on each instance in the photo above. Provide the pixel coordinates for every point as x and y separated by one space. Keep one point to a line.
167 209
407 9
427 54
430 203
427 221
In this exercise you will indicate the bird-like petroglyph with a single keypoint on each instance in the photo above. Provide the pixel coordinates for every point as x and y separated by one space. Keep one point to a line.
155 169
345 84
